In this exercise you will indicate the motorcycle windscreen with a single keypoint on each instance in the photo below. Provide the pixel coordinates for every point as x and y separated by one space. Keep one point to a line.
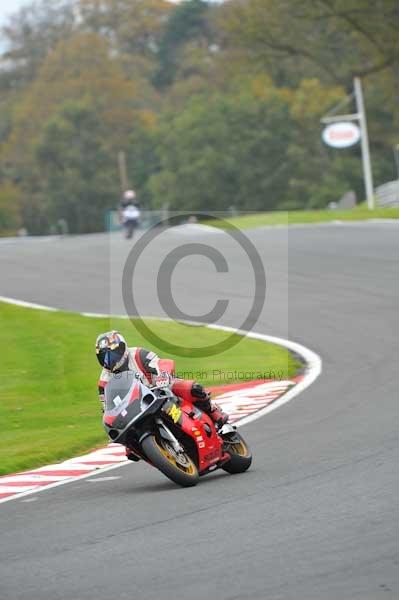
123 394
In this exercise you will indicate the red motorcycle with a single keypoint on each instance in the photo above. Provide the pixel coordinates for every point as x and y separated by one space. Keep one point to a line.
168 432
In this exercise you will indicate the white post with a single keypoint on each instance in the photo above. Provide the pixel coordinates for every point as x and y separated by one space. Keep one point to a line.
368 175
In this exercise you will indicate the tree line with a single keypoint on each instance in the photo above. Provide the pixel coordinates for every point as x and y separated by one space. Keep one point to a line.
214 105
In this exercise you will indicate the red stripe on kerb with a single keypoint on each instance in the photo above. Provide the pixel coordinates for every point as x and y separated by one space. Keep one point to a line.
98 462
232 387
17 484
65 472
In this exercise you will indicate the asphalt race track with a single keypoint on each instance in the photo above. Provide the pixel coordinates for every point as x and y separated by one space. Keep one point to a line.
315 518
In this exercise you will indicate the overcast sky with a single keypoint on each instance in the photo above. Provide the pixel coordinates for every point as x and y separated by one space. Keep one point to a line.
8 7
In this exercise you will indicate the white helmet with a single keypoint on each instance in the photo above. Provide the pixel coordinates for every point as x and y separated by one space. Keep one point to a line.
129 195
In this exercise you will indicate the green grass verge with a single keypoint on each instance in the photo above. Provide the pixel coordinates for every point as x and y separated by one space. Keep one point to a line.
360 213
48 398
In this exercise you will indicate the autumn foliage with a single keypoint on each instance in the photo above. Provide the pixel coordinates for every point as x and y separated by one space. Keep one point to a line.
213 105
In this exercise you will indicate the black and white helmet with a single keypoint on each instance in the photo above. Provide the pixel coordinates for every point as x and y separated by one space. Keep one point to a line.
112 351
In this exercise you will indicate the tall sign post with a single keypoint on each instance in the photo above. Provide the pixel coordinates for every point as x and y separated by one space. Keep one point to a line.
364 140
396 156
343 134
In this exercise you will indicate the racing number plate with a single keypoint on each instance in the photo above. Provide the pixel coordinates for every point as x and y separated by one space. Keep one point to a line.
162 380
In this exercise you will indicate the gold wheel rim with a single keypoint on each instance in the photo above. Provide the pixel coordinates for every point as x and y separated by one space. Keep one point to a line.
190 470
239 448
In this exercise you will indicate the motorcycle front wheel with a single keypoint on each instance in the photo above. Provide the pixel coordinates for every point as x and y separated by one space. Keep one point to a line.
240 454
178 467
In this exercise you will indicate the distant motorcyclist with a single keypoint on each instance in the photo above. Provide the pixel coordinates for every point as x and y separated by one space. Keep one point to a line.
129 212
115 356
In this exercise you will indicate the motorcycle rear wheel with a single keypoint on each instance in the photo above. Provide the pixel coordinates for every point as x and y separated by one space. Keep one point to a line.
162 458
240 454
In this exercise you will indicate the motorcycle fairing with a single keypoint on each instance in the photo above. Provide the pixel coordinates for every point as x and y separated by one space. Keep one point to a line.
199 426
127 400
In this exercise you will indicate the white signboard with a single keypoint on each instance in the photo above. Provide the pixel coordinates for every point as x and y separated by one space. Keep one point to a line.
341 135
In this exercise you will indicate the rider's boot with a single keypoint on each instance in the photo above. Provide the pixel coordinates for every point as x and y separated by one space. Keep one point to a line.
219 417
203 401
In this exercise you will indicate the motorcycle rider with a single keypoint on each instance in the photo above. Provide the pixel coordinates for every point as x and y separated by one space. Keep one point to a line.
129 213
115 356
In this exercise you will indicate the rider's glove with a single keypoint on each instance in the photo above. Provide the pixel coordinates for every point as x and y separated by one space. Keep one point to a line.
203 398
198 391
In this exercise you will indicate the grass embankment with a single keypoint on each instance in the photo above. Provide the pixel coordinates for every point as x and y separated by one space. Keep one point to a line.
48 397
360 213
